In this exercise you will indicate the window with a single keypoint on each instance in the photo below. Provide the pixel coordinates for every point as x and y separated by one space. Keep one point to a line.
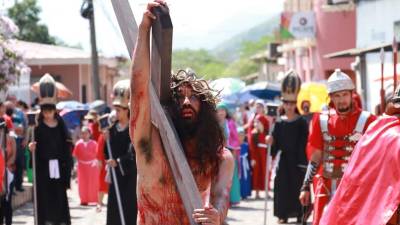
336 2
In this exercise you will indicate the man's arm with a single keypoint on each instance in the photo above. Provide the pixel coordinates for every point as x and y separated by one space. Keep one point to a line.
316 142
140 119
221 187
215 212
312 167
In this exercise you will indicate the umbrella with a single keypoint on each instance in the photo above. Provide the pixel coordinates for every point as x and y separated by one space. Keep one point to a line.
72 118
99 105
62 91
264 90
228 86
71 105
239 98
316 93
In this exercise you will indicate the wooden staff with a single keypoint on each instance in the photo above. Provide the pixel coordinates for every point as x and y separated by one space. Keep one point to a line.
268 166
32 124
3 144
267 169
34 178
115 182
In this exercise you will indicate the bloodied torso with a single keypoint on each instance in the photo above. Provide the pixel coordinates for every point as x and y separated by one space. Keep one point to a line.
158 198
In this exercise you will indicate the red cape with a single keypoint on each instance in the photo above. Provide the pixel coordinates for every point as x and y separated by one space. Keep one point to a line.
369 192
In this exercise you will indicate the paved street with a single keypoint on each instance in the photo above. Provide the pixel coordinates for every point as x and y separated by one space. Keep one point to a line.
80 215
248 212
251 212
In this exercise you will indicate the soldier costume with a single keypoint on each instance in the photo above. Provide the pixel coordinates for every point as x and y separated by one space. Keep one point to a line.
335 135
370 189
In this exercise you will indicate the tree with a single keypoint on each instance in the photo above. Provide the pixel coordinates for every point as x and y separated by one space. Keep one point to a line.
25 14
201 61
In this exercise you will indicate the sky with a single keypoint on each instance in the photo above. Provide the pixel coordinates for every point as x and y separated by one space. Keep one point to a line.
197 24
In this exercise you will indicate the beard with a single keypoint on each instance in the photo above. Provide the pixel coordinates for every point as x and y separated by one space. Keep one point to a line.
344 109
186 127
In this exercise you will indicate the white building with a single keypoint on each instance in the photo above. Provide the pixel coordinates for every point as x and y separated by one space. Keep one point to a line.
377 23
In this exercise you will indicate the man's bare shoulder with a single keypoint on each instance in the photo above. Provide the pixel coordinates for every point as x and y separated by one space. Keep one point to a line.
226 157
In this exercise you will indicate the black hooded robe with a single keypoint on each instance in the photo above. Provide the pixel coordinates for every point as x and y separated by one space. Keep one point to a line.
122 151
290 137
52 201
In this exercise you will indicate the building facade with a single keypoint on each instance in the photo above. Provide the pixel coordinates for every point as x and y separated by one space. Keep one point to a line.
70 66
314 28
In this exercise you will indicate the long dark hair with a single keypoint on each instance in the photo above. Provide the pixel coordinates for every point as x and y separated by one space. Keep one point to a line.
65 133
207 133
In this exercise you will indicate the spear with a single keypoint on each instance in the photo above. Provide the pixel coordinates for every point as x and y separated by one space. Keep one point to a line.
394 46
382 81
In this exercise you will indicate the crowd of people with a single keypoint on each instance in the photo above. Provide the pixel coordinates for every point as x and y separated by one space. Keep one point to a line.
326 162
308 151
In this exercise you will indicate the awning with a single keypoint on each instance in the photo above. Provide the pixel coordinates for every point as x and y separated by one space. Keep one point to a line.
360 51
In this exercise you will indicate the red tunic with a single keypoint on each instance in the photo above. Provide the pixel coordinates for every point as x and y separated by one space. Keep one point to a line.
369 192
88 170
338 126
103 185
258 152
95 131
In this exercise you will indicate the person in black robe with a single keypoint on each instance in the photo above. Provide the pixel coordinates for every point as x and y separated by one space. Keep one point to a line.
52 147
290 137
123 160
53 144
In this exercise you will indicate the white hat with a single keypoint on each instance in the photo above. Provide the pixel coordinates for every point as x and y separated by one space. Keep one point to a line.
339 81
121 93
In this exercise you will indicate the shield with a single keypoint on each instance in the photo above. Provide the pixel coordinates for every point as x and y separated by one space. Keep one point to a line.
316 93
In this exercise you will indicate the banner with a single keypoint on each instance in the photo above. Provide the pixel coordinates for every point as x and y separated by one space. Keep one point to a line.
302 25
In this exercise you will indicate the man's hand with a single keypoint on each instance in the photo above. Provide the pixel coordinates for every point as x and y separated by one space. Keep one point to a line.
148 16
32 146
112 162
269 140
99 164
207 216
252 163
304 198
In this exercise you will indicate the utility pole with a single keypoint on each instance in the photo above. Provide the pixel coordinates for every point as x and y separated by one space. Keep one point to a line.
87 12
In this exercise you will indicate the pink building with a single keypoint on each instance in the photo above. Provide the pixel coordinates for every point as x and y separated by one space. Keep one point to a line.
326 28
70 66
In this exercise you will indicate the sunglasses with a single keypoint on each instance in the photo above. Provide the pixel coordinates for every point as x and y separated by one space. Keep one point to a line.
289 102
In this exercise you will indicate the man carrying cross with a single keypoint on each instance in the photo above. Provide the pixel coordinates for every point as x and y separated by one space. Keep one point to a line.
193 112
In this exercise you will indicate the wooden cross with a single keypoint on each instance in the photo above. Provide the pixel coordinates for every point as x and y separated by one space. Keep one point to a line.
160 91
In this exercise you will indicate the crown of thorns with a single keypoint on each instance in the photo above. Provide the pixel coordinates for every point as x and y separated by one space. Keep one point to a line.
199 86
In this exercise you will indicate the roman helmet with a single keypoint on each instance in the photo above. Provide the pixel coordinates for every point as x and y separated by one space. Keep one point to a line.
339 81
47 90
121 93
290 88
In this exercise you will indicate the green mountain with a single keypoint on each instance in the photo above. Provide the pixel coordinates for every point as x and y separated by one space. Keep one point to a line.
229 50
